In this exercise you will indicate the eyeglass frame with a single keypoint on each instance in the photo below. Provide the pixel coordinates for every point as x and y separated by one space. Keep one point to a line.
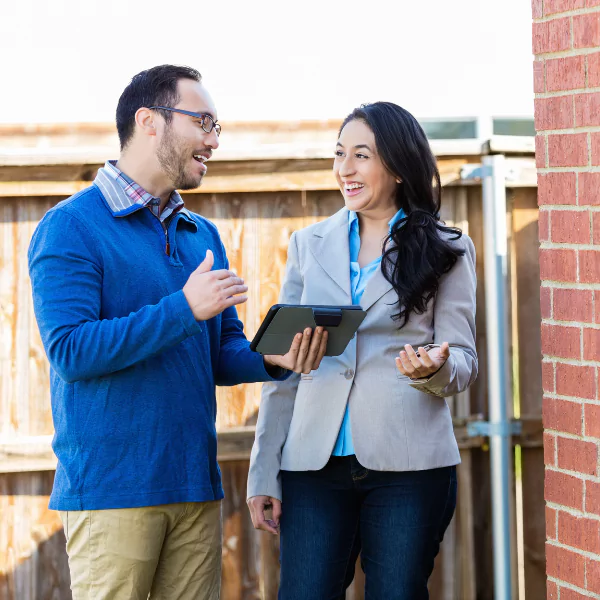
216 126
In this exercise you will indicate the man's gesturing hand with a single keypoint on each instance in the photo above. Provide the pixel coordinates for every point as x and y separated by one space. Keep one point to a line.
210 292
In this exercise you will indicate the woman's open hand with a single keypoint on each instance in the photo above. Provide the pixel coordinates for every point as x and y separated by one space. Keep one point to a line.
423 365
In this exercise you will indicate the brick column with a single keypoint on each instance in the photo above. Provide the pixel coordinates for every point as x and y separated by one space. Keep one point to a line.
566 44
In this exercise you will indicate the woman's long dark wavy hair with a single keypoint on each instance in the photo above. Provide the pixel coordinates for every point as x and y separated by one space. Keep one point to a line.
415 255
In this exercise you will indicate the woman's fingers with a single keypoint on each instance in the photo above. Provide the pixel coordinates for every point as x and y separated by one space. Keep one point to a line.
258 505
424 363
440 354
276 510
312 357
415 361
406 363
322 350
425 358
445 351
400 366
303 351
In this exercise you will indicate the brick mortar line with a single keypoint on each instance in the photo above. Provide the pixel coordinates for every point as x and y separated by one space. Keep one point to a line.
580 208
574 362
581 552
575 474
568 246
566 93
567 285
572 436
571 130
574 512
573 324
572 399
567 53
577 169
573 588
567 13
566 398
585 362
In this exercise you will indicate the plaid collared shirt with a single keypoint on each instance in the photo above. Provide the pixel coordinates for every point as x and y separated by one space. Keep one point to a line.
125 195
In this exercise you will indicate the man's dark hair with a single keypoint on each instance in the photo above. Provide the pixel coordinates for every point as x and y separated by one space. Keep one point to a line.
153 87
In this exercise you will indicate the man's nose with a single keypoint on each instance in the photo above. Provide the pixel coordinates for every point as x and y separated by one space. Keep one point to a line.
212 139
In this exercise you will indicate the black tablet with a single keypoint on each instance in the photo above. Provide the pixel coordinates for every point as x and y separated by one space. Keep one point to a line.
284 321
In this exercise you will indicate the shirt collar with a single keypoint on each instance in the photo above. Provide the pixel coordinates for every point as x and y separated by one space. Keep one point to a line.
125 196
353 220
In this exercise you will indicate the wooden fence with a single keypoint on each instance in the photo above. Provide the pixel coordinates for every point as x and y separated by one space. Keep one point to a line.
256 227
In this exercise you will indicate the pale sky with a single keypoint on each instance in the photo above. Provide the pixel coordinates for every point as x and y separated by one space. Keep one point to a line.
69 60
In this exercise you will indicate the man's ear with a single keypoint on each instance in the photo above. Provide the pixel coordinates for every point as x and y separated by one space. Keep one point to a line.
145 121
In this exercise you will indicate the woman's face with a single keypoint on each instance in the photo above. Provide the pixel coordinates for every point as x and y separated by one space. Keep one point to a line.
366 184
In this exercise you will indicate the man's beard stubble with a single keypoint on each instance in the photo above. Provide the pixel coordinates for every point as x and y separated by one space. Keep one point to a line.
173 158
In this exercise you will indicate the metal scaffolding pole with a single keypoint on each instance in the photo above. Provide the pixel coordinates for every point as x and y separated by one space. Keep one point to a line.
495 257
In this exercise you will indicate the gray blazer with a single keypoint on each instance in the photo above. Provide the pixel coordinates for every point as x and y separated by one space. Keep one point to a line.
397 424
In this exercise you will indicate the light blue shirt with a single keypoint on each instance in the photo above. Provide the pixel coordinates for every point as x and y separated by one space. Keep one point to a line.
358 282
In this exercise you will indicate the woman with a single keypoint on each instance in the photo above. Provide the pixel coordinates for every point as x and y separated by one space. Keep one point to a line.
360 455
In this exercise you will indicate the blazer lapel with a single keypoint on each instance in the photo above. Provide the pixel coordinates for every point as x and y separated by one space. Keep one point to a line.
377 287
330 247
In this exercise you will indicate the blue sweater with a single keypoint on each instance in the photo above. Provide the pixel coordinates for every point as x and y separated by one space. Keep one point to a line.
132 373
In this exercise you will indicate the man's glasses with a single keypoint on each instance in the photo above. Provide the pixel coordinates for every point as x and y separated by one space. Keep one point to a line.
206 121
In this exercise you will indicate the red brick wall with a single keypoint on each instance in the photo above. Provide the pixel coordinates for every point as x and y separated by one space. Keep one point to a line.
566 44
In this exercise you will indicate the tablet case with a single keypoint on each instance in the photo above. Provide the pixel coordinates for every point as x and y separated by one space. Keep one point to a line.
284 321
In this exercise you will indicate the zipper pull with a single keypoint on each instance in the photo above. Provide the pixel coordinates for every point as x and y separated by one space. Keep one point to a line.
167 245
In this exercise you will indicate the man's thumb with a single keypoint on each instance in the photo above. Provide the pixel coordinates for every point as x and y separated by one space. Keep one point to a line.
207 264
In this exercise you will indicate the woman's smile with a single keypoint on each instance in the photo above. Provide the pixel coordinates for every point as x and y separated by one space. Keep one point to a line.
353 188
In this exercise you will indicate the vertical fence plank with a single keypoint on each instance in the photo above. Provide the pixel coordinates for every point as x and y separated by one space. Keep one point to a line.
241 552
526 277
33 563
480 458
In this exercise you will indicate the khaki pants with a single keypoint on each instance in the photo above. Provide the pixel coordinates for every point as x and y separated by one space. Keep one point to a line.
168 552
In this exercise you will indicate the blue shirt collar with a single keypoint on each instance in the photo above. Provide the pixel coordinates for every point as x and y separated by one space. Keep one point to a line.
353 218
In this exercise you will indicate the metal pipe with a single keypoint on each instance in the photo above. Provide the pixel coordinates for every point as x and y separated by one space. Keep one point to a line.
495 258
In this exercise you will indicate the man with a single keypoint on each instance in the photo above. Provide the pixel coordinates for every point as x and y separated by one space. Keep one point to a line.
136 307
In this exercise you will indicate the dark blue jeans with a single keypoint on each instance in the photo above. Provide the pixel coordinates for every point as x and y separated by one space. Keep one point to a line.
396 520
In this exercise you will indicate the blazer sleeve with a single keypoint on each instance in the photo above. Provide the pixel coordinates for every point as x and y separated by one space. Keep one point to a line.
454 322
277 402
